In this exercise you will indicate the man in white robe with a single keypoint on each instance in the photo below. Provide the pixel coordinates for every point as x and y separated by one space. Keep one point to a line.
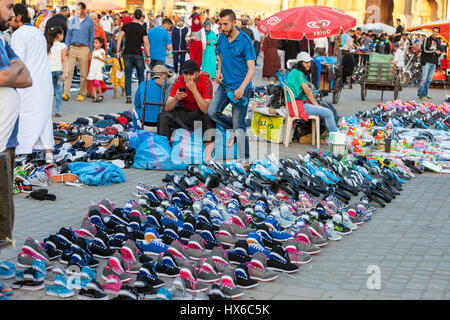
35 118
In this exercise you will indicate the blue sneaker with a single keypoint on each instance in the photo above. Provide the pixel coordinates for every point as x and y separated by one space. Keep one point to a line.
151 234
280 235
60 288
41 270
255 244
163 294
174 213
8 270
272 223
155 247
166 220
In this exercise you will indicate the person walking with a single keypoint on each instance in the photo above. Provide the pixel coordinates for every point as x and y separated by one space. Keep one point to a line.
107 23
197 40
13 76
35 124
431 51
57 60
59 20
117 73
235 72
209 54
80 43
271 61
160 41
135 35
258 38
179 33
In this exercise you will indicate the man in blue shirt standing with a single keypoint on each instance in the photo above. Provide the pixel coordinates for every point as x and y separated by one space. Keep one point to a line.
80 44
236 69
160 41
13 74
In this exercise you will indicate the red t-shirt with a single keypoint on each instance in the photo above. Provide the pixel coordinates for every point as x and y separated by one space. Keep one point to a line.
204 86
126 20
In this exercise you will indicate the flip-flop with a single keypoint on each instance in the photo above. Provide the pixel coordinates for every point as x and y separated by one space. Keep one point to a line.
66 177
2 285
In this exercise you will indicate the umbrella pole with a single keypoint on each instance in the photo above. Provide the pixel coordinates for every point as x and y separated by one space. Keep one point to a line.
309 47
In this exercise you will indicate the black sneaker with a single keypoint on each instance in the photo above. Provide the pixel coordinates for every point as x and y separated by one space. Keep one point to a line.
147 276
170 234
135 223
143 258
115 243
127 293
146 292
240 253
340 228
278 261
120 216
120 231
266 237
215 293
243 279
52 252
166 270
30 285
55 242
98 250
66 235
91 294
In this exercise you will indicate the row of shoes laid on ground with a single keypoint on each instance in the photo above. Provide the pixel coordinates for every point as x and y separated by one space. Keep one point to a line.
202 241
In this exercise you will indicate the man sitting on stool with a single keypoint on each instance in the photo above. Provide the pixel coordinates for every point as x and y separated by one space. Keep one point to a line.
188 102
158 88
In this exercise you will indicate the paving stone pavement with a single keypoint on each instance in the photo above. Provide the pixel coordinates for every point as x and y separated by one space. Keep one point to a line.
408 240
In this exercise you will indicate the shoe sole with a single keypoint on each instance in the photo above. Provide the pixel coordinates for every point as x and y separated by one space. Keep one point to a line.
196 291
208 281
283 271
67 295
235 296
101 257
166 275
81 297
123 281
264 280
68 177
42 286
247 287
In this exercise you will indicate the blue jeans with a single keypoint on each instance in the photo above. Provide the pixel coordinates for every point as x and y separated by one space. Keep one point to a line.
239 112
130 61
427 75
324 113
58 88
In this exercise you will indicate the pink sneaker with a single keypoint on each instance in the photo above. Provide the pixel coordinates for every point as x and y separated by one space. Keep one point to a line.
112 284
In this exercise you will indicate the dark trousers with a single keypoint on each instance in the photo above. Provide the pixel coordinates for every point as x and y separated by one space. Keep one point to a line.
154 63
6 196
184 118
178 57
133 61
257 46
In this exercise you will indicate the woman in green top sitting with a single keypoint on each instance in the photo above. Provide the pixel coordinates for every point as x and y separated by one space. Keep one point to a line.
297 81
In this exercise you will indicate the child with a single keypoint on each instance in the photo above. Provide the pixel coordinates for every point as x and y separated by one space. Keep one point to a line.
117 73
96 68
57 58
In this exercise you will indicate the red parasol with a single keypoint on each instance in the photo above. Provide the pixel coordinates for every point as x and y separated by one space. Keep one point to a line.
309 21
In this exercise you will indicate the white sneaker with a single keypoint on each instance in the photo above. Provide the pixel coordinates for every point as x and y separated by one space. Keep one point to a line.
331 233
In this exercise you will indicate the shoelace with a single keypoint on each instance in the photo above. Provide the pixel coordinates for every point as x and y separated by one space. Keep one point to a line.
227 283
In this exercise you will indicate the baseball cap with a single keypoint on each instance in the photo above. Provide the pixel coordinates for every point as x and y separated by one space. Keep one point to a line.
189 66
304 56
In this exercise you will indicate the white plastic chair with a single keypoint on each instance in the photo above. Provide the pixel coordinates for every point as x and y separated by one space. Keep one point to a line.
289 121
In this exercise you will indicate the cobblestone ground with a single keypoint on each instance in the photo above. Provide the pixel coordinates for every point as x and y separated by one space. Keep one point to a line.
408 240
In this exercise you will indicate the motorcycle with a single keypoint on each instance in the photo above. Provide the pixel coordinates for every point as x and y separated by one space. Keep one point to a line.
412 70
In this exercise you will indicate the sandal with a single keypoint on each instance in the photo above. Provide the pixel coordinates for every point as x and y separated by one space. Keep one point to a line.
100 99
3 287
